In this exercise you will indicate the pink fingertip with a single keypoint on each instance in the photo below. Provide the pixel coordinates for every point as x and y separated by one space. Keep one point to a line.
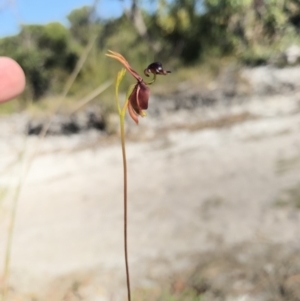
12 79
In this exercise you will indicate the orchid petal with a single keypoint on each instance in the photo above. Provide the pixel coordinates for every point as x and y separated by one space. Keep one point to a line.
133 113
124 62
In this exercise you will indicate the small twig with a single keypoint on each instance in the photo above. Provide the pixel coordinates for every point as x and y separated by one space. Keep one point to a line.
79 66
23 174
16 197
87 99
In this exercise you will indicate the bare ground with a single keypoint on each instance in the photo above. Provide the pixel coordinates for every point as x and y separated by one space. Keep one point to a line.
211 199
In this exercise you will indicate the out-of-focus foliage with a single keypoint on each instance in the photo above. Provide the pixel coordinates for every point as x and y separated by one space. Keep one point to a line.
82 24
184 32
180 25
46 55
252 27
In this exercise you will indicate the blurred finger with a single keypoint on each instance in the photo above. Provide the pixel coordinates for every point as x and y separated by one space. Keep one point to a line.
12 79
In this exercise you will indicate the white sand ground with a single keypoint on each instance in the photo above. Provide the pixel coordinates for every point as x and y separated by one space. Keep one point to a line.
189 191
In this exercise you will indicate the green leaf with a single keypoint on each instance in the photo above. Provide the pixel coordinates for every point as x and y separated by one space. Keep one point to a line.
129 91
119 78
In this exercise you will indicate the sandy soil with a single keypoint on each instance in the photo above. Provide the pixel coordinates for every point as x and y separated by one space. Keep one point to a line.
190 191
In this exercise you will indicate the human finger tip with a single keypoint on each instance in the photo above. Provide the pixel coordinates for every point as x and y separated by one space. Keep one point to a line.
12 79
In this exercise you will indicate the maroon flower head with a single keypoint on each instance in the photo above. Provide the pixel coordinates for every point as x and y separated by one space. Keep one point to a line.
139 97
138 101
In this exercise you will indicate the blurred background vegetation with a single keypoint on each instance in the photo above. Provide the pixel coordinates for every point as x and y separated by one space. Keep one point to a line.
183 34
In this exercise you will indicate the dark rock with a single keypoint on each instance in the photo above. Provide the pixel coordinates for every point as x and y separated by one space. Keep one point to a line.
95 122
68 125
34 128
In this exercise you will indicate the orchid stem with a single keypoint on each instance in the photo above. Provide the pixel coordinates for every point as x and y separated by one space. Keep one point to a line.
122 129
122 113
153 80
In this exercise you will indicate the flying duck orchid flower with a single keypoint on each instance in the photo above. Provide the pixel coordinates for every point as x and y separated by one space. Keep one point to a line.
139 97
155 68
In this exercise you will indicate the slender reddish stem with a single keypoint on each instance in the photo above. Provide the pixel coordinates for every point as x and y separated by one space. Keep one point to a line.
122 127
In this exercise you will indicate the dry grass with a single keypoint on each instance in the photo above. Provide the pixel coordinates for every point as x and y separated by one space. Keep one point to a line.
285 165
245 272
250 271
289 198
